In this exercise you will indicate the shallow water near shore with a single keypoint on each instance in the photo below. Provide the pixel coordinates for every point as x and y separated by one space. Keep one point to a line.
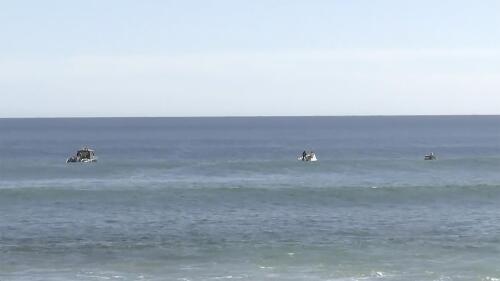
226 198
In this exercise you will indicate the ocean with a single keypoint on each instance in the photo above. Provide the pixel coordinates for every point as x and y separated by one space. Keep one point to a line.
194 199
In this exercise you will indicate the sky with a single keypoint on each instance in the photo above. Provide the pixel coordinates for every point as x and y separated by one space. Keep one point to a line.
107 58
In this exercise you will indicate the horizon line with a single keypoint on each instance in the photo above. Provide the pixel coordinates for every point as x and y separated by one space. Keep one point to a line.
253 116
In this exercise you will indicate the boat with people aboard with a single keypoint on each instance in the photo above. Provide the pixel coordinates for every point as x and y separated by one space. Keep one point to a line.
308 156
84 155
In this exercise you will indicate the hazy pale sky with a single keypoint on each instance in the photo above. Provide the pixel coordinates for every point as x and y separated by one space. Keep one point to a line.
259 57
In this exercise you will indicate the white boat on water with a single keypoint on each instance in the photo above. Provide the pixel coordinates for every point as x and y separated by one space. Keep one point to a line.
430 156
84 155
308 157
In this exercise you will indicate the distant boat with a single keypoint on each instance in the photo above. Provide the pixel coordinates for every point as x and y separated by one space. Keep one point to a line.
308 157
84 155
430 156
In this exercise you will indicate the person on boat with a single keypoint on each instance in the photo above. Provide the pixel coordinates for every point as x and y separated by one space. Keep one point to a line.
304 155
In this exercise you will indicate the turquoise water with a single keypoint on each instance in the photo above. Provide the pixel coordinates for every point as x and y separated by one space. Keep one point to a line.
225 198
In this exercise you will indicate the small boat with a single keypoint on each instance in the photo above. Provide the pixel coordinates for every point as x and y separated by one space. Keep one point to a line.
430 156
84 155
308 157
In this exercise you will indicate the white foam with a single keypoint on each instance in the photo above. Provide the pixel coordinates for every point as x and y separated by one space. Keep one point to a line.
227 277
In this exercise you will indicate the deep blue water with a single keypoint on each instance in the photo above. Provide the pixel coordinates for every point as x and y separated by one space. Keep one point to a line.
226 198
